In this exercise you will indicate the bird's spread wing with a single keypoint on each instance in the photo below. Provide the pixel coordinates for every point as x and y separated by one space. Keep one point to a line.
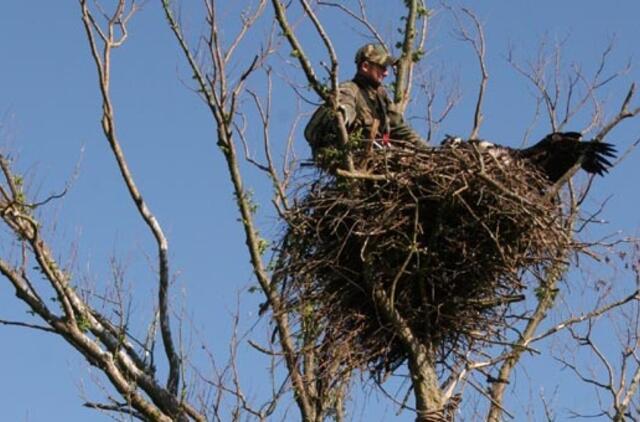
596 158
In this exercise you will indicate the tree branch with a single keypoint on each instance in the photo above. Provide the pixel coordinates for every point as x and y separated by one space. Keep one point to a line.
109 128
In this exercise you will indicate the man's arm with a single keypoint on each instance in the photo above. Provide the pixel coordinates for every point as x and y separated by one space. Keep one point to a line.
322 130
347 102
401 130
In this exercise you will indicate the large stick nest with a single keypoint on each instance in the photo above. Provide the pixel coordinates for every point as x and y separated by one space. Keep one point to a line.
448 238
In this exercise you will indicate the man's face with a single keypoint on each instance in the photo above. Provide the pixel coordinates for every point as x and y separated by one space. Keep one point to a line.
374 72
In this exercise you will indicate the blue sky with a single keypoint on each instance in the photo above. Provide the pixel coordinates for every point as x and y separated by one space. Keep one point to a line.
50 111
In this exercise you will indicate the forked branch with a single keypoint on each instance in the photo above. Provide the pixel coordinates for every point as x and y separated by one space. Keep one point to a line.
108 43
215 88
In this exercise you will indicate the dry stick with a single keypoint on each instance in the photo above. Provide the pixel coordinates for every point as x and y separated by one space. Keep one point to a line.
556 89
593 314
27 325
216 54
624 113
251 237
123 408
537 80
478 44
265 117
289 159
537 74
362 18
363 175
452 99
247 22
108 125
591 88
479 47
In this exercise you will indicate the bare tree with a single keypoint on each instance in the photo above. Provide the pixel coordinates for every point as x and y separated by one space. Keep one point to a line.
105 343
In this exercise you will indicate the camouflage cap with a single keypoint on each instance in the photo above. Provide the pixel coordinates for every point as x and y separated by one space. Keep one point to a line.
374 53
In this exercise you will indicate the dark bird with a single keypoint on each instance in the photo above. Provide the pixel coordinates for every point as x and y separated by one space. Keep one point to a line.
554 155
558 152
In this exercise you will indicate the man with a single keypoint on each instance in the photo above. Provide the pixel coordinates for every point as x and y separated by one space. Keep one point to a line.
369 115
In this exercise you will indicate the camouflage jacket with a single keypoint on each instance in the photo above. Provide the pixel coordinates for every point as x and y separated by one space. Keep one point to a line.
368 112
